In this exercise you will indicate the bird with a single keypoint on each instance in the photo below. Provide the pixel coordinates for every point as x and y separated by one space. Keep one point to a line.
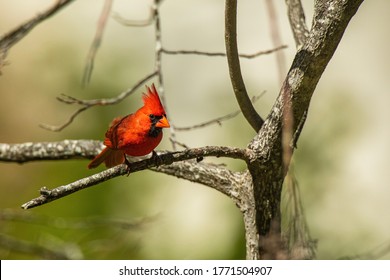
136 134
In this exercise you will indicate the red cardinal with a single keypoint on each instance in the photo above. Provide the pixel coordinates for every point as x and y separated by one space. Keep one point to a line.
136 134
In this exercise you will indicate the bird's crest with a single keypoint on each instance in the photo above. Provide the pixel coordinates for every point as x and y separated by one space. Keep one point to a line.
152 101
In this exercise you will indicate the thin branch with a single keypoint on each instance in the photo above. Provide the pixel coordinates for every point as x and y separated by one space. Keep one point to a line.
57 128
25 247
134 23
256 54
14 36
296 16
222 54
86 104
276 39
242 97
158 49
163 159
96 42
68 223
158 65
218 120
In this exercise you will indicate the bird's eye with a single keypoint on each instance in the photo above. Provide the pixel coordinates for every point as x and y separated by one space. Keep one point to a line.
152 117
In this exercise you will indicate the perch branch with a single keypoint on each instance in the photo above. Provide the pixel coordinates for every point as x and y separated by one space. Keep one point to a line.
164 159
240 92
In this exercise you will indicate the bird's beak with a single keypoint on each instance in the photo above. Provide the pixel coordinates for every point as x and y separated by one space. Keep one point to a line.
163 122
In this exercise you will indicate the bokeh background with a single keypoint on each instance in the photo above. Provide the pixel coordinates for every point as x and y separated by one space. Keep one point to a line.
342 163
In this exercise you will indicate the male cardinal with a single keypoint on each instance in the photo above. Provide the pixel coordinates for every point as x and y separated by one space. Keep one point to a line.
136 134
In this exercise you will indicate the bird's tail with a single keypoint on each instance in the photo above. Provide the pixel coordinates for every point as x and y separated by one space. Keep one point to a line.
109 156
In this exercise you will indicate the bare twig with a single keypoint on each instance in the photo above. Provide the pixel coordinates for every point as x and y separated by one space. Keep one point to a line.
57 128
68 223
134 23
158 48
158 65
86 104
184 146
164 159
218 120
12 37
96 42
276 39
241 94
25 247
222 54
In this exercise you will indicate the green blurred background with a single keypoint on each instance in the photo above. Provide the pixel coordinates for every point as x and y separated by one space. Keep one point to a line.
341 164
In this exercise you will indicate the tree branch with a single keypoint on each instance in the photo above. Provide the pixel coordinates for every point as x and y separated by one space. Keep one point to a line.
218 120
207 174
11 38
240 92
222 54
276 39
163 159
66 149
296 16
9 215
86 104
25 247
76 149
158 65
330 21
134 23
96 41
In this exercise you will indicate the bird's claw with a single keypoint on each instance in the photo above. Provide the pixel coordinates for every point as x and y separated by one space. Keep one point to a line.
156 158
128 166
